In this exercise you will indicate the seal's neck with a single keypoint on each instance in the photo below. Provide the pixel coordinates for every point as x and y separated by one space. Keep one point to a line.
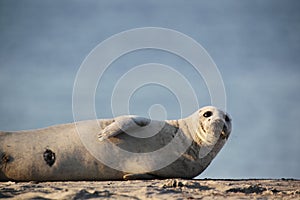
188 126
191 127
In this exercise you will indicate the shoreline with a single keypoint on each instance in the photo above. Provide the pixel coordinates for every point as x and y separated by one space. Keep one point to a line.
154 189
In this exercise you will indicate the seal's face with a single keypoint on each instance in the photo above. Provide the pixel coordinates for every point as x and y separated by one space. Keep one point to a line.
214 124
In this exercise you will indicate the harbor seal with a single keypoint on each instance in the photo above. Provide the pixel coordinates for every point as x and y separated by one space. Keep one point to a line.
57 153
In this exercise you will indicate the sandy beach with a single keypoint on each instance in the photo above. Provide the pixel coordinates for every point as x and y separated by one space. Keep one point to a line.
154 189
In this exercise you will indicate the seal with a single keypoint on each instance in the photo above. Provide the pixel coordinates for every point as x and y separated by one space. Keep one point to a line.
57 153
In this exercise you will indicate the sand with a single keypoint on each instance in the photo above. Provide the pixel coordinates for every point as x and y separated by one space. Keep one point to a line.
154 189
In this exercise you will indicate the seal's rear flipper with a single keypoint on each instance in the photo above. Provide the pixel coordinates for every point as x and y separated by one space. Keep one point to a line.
139 177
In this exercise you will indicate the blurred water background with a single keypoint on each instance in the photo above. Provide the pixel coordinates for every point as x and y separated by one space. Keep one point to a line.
255 44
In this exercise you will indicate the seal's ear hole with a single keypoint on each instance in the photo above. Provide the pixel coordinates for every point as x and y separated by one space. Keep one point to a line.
207 114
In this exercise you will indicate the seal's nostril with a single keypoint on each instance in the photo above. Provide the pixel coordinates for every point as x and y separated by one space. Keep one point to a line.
227 119
225 128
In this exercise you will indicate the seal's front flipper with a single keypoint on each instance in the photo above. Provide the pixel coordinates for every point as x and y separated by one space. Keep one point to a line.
139 177
121 125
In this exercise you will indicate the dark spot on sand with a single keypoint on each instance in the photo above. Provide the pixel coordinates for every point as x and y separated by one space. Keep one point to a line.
49 157
85 194
173 183
249 190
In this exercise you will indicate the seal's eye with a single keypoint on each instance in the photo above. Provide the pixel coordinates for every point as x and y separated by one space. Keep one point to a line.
207 114
227 119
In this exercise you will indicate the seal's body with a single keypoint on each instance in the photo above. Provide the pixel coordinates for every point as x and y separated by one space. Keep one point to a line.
154 149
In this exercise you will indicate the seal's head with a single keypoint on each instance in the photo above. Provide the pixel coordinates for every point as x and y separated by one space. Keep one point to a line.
210 125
